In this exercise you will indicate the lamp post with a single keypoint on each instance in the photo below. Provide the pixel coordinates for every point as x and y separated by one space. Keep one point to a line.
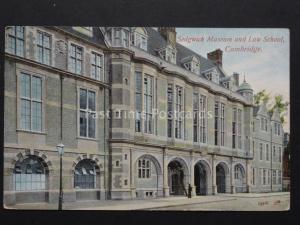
60 149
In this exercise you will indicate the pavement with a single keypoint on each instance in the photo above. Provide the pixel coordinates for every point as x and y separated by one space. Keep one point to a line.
221 202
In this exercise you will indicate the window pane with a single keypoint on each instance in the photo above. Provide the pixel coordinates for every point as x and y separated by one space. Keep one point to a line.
25 114
36 116
83 124
92 125
20 47
25 85
83 103
92 101
36 88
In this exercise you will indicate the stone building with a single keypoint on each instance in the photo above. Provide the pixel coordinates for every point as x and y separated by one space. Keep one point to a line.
118 98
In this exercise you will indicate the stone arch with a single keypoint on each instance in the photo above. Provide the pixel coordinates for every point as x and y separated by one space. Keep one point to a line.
222 177
178 176
27 153
94 160
182 161
239 178
202 177
147 187
153 159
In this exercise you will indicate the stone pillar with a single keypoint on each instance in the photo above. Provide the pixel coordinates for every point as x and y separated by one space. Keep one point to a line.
214 175
232 184
192 175
248 175
132 174
165 173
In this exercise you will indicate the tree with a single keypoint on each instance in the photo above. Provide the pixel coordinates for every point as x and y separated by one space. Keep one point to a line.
261 96
281 107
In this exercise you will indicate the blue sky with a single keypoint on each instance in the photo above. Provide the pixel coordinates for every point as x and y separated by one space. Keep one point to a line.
267 69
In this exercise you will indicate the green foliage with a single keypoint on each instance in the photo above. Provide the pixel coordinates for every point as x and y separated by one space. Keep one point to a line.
279 103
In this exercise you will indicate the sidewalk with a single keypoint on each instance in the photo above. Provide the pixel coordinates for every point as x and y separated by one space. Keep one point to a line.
143 204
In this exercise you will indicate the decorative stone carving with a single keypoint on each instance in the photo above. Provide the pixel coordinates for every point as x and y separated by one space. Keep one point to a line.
61 47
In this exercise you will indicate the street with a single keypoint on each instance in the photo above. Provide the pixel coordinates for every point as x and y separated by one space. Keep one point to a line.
220 202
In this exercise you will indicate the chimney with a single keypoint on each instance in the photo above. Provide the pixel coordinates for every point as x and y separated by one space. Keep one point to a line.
236 78
216 56
169 33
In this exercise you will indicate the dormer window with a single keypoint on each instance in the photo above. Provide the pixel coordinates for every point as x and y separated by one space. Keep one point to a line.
192 64
139 38
117 36
212 75
84 30
169 54
226 85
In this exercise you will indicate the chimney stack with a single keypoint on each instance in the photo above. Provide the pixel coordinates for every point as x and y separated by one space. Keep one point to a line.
169 33
236 78
216 56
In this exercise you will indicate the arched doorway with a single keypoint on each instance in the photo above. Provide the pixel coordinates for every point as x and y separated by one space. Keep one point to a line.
85 175
240 178
201 178
177 171
221 178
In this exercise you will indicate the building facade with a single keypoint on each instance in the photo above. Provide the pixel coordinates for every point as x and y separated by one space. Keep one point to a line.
140 116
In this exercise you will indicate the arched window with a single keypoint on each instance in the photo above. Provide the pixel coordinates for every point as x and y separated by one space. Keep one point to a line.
30 174
84 174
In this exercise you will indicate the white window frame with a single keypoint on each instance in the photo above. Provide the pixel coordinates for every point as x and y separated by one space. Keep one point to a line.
87 112
144 170
71 43
21 71
43 33
101 76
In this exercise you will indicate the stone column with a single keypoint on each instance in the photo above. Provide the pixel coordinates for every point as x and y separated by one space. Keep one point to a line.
214 175
248 175
132 174
192 175
165 173
232 184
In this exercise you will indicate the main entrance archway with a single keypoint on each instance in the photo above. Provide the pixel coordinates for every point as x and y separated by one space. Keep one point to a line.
177 177
221 178
201 175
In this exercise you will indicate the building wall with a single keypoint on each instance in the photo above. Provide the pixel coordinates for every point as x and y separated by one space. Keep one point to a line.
117 147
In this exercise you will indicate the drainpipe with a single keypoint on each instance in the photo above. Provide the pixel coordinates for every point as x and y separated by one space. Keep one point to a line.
104 142
271 159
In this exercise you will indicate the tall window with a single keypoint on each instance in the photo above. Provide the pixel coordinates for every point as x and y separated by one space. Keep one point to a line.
216 122
87 113
269 176
239 128
125 38
144 168
234 119
75 59
264 176
267 152
170 109
138 101
148 104
84 175
202 118
274 153
222 120
97 66
261 151
196 115
31 102
29 174
16 40
279 177
44 47
264 124
253 176
178 109
279 154
274 177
